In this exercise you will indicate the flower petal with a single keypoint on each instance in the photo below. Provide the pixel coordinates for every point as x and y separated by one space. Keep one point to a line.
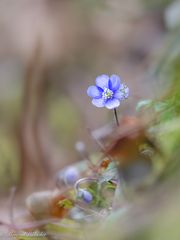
99 102
112 103
114 82
94 92
119 95
102 81
122 93
126 91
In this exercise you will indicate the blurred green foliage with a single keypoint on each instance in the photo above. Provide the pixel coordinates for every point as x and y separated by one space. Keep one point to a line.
91 4
10 108
64 120
9 160
156 4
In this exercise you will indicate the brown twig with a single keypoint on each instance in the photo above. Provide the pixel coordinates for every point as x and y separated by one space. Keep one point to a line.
34 167
11 209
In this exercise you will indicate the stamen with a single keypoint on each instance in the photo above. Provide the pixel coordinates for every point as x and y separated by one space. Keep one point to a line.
107 94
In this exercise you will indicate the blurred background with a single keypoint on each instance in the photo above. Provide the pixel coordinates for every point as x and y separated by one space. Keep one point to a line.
50 52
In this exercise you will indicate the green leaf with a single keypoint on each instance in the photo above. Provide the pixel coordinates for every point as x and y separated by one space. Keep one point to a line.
110 186
144 104
65 203
109 174
160 106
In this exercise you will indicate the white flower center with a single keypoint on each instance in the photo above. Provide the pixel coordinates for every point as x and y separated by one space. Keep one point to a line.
107 94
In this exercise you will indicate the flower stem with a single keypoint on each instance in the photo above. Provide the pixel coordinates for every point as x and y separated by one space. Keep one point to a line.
116 117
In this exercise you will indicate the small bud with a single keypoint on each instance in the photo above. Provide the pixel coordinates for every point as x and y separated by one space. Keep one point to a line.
85 195
70 175
80 146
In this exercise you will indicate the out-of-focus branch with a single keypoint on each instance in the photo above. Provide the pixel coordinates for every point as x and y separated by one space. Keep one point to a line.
34 167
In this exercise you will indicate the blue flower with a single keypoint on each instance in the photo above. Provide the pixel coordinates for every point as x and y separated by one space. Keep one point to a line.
70 175
108 92
85 195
